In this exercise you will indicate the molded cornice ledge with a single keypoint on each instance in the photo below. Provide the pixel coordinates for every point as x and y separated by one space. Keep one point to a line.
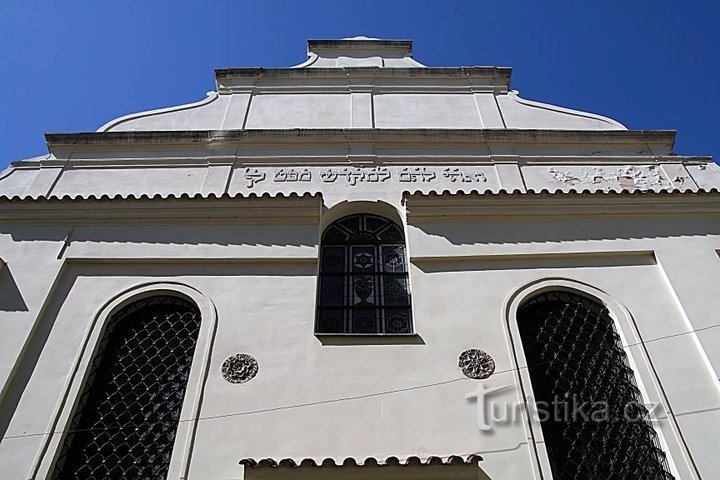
660 138
360 44
256 209
502 74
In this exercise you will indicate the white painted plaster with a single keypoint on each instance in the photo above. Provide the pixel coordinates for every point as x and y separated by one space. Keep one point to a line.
296 100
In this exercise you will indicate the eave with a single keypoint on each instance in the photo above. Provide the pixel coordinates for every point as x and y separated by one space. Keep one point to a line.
660 138
501 74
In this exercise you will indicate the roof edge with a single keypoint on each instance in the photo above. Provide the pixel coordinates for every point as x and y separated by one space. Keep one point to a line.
664 137
360 44
503 73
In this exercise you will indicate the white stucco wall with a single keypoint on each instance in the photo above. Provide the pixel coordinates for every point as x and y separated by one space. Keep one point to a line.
261 279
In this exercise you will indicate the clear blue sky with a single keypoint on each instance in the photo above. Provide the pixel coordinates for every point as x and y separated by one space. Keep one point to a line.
72 65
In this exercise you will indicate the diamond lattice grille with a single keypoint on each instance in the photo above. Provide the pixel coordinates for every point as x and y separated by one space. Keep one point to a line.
127 417
576 359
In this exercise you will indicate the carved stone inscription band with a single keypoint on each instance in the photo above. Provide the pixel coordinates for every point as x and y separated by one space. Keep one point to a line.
356 175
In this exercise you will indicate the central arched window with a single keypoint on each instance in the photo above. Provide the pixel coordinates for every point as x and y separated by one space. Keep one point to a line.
363 285
593 420
126 419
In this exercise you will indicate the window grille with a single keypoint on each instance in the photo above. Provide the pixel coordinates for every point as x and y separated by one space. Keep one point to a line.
126 419
363 286
575 358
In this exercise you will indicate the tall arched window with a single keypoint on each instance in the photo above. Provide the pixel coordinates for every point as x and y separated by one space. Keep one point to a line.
126 419
593 420
363 286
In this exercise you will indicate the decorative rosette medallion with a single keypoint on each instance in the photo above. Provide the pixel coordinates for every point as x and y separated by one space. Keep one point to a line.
239 368
477 364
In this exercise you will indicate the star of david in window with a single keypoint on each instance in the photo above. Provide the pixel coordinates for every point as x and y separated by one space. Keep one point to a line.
363 260
363 285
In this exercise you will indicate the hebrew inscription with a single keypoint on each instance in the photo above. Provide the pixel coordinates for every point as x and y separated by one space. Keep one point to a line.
456 175
292 175
253 176
356 175
416 174
353 176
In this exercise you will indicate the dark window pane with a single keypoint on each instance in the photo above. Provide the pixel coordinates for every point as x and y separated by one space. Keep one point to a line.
392 234
364 290
363 270
334 235
333 259
127 417
352 223
332 320
393 258
575 356
396 291
373 224
397 320
363 238
365 320
332 290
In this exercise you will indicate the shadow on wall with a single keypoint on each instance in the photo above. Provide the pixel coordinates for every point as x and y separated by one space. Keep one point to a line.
531 262
146 269
259 234
537 230
11 300
29 360
369 472
372 339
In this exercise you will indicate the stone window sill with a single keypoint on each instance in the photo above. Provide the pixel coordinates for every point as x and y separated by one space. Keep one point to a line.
370 339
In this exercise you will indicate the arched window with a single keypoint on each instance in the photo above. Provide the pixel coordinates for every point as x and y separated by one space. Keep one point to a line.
363 286
593 420
126 419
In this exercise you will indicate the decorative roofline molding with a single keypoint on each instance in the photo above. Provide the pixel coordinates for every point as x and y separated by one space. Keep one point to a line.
292 208
515 95
210 97
484 198
502 74
344 136
361 44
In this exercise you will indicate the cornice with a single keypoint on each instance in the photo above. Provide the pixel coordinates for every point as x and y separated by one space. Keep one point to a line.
169 209
360 44
306 208
664 138
502 74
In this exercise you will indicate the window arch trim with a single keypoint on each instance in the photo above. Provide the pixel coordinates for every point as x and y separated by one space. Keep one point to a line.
50 449
668 432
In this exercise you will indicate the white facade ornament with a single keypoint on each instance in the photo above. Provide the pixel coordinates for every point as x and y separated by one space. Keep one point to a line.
633 177
239 368
476 364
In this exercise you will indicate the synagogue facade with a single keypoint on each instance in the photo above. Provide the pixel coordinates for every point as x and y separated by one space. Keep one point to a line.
360 267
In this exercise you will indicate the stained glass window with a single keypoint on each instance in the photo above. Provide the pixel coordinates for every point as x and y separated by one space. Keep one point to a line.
363 286
127 416
593 420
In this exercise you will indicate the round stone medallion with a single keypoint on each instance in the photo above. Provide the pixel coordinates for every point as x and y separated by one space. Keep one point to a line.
239 368
475 363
